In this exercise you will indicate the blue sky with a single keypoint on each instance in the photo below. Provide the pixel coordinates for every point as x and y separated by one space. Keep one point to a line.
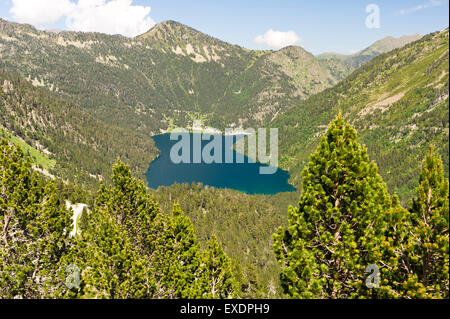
318 26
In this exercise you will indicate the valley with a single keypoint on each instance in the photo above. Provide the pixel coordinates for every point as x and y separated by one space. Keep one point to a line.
81 104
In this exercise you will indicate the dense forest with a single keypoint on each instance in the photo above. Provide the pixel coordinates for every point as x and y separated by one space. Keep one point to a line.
243 223
70 143
127 246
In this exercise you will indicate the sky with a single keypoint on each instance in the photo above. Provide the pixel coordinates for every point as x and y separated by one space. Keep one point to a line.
342 26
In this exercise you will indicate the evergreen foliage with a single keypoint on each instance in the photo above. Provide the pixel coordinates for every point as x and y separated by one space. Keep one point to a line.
101 98
415 251
34 230
399 104
130 249
430 232
346 221
244 225
339 219
127 247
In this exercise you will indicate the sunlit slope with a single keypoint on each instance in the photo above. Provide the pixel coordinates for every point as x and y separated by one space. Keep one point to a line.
170 74
398 103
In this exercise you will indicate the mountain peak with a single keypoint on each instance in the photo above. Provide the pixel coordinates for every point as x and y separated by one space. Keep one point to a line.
169 30
389 43
167 25
294 49
172 36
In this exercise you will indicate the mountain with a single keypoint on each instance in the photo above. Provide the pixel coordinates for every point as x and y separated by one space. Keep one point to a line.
379 47
398 102
165 77
77 101
332 56
173 74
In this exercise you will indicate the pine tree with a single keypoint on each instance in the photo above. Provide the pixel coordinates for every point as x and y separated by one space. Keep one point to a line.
175 255
427 252
163 246
127 199
110 249
111 267
216 280
339 221
83 220
167 241
415 249
35 230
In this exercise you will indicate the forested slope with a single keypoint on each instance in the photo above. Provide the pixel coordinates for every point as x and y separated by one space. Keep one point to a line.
398 103
166 76
243 223
81 148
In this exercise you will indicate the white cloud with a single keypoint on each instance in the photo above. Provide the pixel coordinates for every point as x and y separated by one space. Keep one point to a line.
40 12
113 17
429 4
106 16
278 39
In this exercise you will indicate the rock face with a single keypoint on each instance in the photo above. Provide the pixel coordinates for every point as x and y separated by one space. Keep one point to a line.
77 211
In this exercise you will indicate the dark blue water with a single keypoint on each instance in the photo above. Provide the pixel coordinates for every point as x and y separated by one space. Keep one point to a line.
244 177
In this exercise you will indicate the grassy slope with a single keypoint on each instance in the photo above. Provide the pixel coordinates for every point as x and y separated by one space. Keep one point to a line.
38 158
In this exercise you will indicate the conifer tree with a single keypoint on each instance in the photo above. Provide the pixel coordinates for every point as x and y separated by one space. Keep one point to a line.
216 280
175 255
127 199
164 256
83 220
339 220
167 241
426 251
34 228
110 266
414 252
110 252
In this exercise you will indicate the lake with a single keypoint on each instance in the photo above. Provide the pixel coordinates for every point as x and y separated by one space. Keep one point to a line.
244 177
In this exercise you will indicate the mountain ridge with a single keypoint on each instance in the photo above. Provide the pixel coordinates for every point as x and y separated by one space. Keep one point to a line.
363 56
149 86
137 75
398 101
